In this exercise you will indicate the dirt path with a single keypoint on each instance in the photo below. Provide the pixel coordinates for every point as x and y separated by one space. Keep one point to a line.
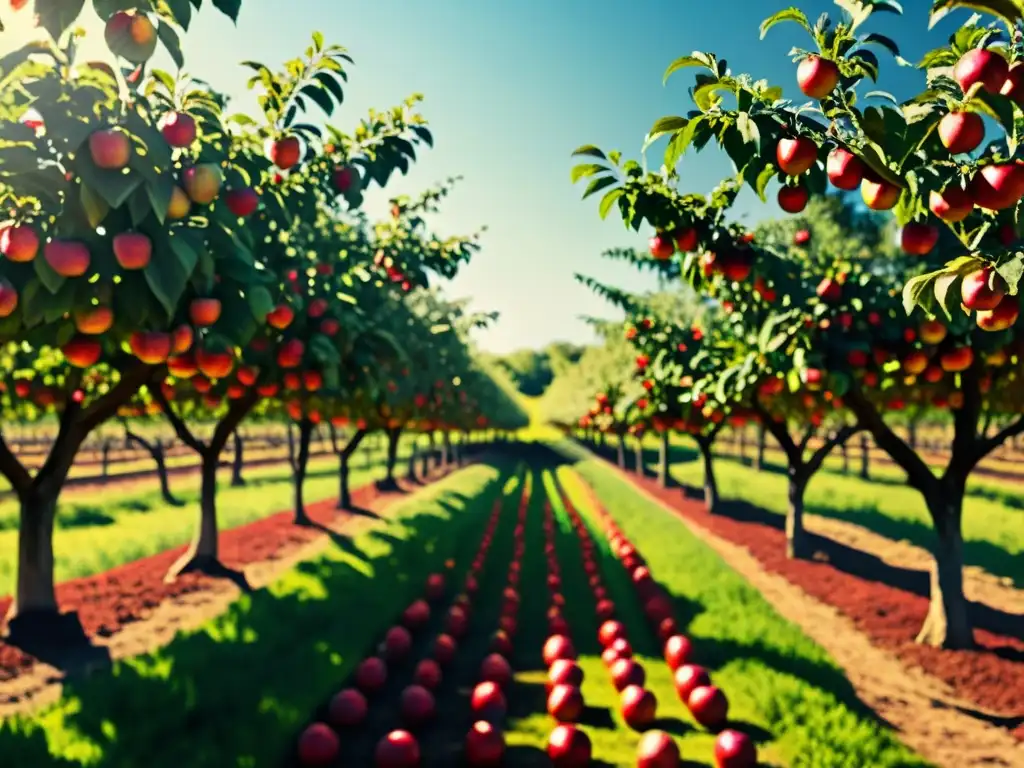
41 685
922 710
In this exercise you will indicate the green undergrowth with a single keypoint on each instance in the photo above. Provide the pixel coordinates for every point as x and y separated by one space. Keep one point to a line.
236 691
783 688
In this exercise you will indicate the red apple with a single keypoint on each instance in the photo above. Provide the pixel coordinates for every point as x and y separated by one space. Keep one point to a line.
242 201
639 707
678 651
565 703
610 631
844 169
961 132
1002 317
178 128
817 77
982 289
67 258
204 312
688 678
626 672
488 702
997 187
8 298
796 155
318 745
399 749
686 240
110 149
371 674
793 199
280 317
661 246
981 66
734 749
19 242
82 352
830 290
569 747
285 152
918 239
565 672
952 204
657 750
496 669
558 647
347 708
708 706
397 643
444 649
485 745
878 194
416 705
435 586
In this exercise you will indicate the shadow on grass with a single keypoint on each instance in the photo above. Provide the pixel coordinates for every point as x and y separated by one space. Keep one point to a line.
241 688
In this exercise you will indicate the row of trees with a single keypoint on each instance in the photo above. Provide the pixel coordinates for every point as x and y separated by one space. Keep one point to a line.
164 257
815 336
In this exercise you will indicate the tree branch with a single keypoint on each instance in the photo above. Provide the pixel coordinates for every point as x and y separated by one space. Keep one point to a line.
334 437
104 408
780 431
180 427
986 446
353 443
839 438
12 469
237 411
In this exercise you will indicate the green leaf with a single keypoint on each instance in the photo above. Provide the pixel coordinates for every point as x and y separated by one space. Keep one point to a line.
57 16
94 206
789 14
229 8
914 292
596 185
589 150
159 191
181 11
886 42
609 200
681 141
51 281
696 59
1011 11
1012 271
330 82
260 302
587 169
169 37
763 180
748 129
320 96
167 276
318 41
662 126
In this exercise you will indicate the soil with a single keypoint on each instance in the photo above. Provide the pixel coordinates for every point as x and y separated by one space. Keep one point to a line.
928 713
130 610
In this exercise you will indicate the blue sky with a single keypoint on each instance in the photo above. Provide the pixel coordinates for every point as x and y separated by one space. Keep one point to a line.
511 89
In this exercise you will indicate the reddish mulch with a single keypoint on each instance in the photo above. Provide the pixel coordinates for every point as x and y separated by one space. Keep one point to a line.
108 601
890 616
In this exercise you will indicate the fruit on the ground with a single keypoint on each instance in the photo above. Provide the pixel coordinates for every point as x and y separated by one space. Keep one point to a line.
830 290
485 745
496 669
981 66
956 359
686 240
280 317
619 649
318 745
961 132
285 152
371 674
657 750
1002 317
558 647
569 747
734 749
204 312
708 706
178 129
435 586
399 749
565 703
678 651
610 631
918 238
796 155
179 204
19 242
347 708
997 187
417 614
688 678
879 194
639 706
444 649
110 149
82 352
488 702
817 76
416 705
793 199
661 246
67 258
982 289
952 204
932 331
151 347
242 201
844 169
131 34
626 672
397 643
565 672
94 320
202 182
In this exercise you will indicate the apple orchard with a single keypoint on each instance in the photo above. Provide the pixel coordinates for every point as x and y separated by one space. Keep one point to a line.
164 257
814 340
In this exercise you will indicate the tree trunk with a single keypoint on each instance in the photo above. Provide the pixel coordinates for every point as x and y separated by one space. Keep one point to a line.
638 457
846 458
299 472
34 590
759 457
865 458
620 457
393 434
156 450
446 449
202 553
663 456
238 462
425 460
410 469
797 545
743 445
948 624
912 435
105 467
344 493
710 483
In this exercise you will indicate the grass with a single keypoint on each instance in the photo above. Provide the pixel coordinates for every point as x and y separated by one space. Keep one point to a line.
783 688
101 530
235 692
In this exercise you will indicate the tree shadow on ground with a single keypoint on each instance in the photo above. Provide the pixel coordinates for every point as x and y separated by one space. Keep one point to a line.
284 650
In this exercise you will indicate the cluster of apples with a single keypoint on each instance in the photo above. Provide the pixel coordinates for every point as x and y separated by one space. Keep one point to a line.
485 743
706 702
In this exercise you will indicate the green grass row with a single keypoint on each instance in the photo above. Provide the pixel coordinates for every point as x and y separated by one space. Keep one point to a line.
237 691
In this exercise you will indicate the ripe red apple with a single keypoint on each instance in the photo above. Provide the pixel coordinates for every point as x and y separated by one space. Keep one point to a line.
82 352
657 750
19 242
444 649
734 749
626 672
399 749
708 706
204 312
496 669
178 129
558 647
371 674
318 745
802 237
290 353
982 289
569 747
918 238
94 320
347 708
416 705
317 308
844 169
242 201
280 317
981 66
435 586
957 359
67 258
344 178
202 182
151 347
796 155
485 745
1002 317
817 77
915 362
565 703
417 614
110 149
610 631
565 672
285 152
961 132
686 240
688 678
1013 87
397 643
830 290
793 199
997 187
181 339
488 702
878 194
952 204
132 250
214 364
661 246
678 651
639 707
